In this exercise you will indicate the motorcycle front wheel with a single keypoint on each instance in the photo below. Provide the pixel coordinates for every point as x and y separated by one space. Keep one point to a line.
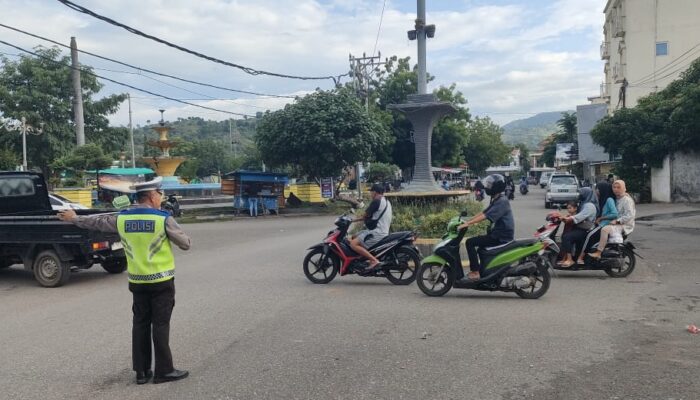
540 284
402 266
320 268
434 279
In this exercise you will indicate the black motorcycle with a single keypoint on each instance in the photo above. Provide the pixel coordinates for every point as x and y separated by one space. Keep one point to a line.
172 206
618 259
523 188
399 256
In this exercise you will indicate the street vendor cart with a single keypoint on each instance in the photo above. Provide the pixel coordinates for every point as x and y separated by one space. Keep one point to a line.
266 187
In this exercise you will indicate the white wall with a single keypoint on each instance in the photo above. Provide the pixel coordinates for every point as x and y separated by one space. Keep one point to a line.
685 184
661 182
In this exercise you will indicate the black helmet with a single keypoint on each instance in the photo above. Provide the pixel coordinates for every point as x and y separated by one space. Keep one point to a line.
377 188
494 184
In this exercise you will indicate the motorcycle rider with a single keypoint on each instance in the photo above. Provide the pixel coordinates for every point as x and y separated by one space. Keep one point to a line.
583 221
502 228
479 190
377 220
624 223
510 187
523 184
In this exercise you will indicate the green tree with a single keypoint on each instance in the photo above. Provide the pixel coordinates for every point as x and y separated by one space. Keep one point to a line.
524 157
8 159
568 133
485 147
321 134
381 172
661 124
84 158
567 128
39 88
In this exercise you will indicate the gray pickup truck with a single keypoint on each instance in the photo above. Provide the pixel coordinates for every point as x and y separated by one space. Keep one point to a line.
31 234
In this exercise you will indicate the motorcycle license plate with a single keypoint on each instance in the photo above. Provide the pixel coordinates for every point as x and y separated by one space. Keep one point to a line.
117 246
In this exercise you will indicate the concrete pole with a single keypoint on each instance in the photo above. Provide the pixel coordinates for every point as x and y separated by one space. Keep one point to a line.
77 94
230 136
131 134
24 144
420 35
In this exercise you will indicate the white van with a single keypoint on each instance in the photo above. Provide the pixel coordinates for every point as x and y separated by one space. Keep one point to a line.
544 178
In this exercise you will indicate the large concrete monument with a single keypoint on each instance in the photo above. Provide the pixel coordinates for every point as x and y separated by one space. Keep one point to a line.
424 111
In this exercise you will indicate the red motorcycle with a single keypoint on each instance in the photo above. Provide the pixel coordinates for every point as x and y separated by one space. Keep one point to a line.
397 253
618 259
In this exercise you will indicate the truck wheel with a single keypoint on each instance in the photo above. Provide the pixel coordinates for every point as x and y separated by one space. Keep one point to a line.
115 266
49 270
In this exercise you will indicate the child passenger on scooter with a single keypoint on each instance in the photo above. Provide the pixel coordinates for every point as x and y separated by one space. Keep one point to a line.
583 218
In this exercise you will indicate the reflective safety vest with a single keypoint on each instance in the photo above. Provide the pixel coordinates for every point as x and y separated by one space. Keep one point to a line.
146 245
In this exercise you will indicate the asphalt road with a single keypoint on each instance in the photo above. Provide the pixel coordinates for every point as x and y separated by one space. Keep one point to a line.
247 324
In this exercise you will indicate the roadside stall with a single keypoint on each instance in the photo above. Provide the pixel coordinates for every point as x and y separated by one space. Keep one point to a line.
266 187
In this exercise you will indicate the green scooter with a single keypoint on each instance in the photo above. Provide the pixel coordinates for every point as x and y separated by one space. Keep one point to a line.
519 266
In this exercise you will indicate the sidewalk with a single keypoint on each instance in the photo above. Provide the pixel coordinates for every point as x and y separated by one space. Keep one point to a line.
669 215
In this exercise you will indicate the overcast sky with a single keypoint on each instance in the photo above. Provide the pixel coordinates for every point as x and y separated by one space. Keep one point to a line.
510 58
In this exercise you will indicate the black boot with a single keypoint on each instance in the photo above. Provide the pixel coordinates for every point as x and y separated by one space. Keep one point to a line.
176 375
143 377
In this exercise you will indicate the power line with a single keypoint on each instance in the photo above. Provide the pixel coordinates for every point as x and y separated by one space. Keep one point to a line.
381 18
245 69
646 78
181 88
145 69
121 83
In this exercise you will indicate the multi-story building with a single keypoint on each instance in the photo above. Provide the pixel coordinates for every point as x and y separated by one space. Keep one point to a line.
647 45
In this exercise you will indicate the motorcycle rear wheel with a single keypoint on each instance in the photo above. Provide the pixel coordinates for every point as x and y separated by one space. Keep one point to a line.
539 288
318 268
403 266
433 281
628 262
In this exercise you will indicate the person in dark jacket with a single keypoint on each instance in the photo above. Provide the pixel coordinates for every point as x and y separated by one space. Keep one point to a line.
502 228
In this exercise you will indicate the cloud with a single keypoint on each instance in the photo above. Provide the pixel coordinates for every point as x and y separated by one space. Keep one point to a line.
509 58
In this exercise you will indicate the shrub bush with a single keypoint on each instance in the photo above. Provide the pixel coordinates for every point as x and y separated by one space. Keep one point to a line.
430 220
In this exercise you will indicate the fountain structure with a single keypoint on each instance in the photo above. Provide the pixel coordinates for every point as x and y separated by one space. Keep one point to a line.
164 164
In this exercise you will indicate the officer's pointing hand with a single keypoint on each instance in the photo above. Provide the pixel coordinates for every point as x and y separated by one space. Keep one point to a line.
66 215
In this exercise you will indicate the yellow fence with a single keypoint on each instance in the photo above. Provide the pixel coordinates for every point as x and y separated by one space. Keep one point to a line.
76 195
308 192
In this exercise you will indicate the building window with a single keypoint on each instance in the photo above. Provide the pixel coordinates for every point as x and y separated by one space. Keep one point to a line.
662 49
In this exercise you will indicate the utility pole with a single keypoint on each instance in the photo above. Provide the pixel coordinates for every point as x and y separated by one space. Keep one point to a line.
230 136
131 134
77 93
361 68
420 34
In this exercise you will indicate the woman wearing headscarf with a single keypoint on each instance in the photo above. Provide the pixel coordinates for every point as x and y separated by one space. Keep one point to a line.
624 223
583 221
607 210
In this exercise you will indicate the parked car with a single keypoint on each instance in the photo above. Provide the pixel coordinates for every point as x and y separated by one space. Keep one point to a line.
560 189
59 202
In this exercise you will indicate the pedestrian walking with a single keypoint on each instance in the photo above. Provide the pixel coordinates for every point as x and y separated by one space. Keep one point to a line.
146 233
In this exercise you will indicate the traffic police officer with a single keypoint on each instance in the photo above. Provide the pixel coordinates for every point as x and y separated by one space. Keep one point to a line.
147 234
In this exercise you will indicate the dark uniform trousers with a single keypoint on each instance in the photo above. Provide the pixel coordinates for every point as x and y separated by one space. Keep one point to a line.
153 306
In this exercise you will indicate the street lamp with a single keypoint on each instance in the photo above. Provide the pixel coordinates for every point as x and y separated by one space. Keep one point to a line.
24 129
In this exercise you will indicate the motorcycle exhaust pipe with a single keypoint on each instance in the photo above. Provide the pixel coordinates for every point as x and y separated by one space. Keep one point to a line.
524 269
